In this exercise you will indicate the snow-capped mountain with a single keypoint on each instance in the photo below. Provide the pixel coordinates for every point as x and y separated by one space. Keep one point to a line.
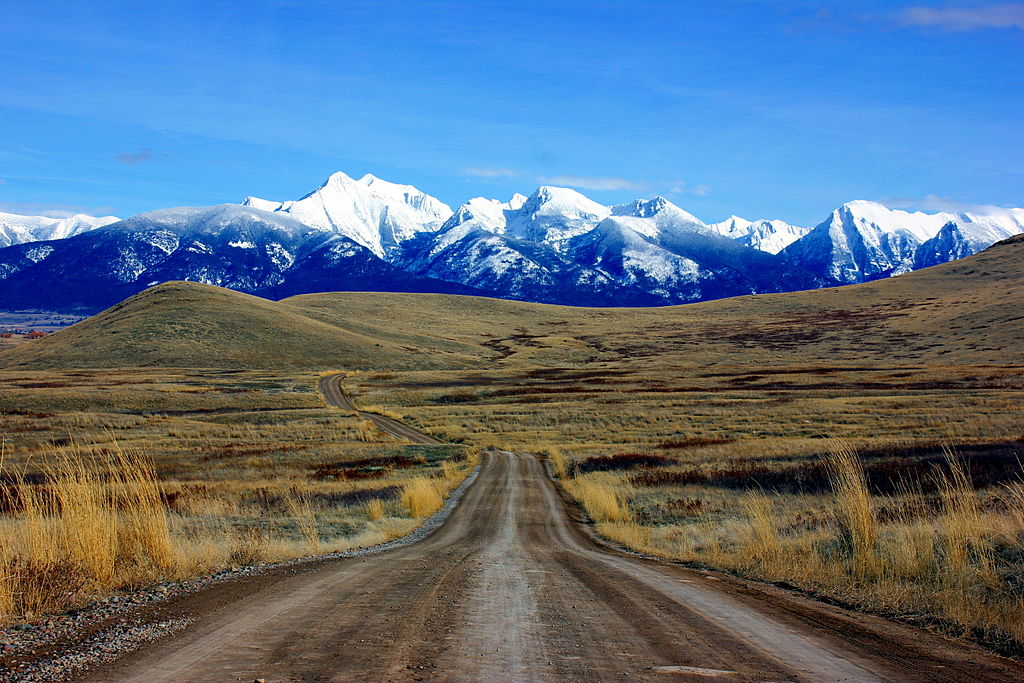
18 229
554 246
641 253
552 215
767 235
372 212
968 234
229 245
657 246
865 240
476 247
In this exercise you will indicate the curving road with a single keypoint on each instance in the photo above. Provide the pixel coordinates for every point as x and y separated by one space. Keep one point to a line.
330 387
511 587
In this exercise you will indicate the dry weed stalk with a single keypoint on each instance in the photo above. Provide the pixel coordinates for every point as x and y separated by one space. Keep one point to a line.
853 505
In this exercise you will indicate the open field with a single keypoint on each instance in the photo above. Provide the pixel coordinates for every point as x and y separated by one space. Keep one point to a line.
702 432
242 468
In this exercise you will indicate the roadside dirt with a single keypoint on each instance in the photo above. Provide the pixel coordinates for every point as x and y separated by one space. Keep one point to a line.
511 587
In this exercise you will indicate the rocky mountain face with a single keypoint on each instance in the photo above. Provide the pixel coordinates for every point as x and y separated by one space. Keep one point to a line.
554 246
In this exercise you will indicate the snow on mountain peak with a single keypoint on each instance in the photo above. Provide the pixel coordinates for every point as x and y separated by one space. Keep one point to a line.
554 214
921 225
732 224
516 201
374 213
649 208
261 204
771 236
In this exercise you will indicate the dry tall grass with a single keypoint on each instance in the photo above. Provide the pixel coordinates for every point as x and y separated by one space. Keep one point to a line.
952 555
304 516
91 521
763 543
422 496
92 526
603 500
853 505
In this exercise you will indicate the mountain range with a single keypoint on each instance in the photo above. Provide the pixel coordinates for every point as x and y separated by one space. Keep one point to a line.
17 229
554 246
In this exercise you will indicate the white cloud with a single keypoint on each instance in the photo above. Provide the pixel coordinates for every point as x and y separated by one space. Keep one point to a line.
139 156
1005 15
492 172
590 183
934 204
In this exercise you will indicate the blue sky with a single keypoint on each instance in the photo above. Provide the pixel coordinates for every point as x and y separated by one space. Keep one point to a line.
764 109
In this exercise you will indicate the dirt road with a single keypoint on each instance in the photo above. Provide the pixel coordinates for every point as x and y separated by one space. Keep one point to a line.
511 587
330 387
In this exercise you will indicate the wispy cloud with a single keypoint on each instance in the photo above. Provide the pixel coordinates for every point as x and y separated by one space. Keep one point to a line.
142 154
680 187
934 203
53 210
1005 15
591 183
492 172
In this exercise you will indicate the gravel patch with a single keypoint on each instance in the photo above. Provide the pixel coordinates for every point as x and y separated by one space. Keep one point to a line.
105 646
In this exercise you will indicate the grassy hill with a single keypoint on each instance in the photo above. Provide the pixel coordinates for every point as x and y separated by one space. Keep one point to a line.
190 325
961 312
965 311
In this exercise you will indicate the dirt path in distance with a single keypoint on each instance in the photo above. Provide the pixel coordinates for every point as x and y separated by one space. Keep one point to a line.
330 387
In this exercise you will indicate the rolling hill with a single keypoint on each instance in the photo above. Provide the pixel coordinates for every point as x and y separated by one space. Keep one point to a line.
186 324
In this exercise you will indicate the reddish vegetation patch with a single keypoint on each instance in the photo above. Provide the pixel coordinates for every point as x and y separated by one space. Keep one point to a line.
357 497
621 461
366 468
249 450
695 442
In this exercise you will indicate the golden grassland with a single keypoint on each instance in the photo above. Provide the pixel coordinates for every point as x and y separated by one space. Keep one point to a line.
862 443
116 479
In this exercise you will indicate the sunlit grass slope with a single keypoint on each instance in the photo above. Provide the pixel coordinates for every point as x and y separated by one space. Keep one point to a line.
968 310
190 325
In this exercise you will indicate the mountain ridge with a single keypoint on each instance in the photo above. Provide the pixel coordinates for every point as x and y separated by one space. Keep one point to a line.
554 246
